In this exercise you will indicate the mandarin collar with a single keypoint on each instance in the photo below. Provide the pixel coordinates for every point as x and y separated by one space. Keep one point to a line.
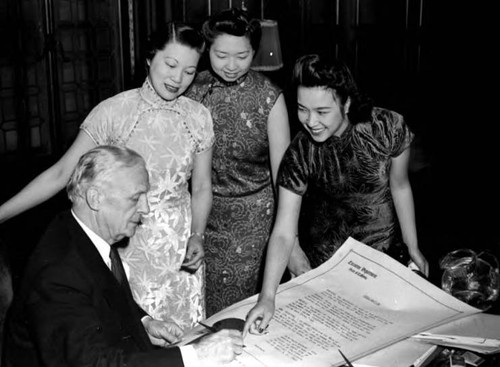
218 81
149 94
343 139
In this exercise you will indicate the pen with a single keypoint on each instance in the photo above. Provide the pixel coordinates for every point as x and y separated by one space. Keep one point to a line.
212 329
208 327
349 364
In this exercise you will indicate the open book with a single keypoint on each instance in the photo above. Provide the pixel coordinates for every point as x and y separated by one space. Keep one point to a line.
360 301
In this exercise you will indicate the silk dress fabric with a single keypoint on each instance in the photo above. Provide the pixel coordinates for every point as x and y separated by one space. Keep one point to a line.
243 204
345 185
168 135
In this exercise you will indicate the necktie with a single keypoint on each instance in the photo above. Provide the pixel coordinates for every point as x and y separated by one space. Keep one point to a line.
127 304
117 267
119 272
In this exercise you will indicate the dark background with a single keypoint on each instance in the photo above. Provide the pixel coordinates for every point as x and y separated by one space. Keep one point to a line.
432 61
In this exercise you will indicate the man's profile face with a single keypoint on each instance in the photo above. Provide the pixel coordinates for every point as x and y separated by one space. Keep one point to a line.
124 203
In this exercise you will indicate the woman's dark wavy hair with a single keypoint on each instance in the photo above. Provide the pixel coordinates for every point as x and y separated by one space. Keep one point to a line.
314 71
174 32
235 22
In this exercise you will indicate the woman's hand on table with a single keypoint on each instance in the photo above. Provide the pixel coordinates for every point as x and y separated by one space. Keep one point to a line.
259 317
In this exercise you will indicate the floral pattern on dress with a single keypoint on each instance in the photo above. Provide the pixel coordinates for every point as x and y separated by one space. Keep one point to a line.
242 213
168 135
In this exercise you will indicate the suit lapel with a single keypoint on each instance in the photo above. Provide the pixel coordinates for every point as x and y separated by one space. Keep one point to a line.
118 300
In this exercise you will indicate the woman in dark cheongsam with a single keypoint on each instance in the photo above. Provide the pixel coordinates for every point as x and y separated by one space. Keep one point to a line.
251 134
352 162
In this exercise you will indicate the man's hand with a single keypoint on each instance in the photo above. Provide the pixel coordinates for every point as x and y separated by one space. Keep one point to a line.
194 254
259 317
219 348
162 333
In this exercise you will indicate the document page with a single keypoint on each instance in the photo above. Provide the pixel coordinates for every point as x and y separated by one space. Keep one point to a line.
360 301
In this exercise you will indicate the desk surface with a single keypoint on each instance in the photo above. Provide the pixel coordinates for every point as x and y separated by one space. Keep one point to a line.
405 352
442 360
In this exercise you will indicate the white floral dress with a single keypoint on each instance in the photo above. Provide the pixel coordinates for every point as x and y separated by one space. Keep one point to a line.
168 135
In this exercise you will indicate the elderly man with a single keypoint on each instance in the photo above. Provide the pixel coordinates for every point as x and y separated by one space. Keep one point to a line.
74 307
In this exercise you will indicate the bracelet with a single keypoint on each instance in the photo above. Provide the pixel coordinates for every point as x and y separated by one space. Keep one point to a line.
201 235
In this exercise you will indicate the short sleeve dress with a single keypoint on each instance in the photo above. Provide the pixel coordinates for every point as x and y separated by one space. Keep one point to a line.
344 182
168 135
242 213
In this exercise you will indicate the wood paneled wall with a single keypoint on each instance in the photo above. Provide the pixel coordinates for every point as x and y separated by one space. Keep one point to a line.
430 60
387 43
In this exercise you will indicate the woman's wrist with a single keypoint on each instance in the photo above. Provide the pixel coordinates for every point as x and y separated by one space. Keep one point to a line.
198 234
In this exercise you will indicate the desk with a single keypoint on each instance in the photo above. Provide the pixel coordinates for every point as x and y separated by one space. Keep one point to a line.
442 360
362 302
405 352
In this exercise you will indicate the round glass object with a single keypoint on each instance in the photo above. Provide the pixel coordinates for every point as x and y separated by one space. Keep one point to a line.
471 277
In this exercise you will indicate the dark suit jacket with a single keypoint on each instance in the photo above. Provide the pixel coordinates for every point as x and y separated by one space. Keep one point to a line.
70 310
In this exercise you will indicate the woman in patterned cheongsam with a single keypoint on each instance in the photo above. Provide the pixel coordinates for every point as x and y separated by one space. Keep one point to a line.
174 134
251 134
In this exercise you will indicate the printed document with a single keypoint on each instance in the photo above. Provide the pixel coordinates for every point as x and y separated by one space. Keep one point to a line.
359 301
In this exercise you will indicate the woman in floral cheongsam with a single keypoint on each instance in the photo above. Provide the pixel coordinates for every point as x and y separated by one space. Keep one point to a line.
251 134
174 134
